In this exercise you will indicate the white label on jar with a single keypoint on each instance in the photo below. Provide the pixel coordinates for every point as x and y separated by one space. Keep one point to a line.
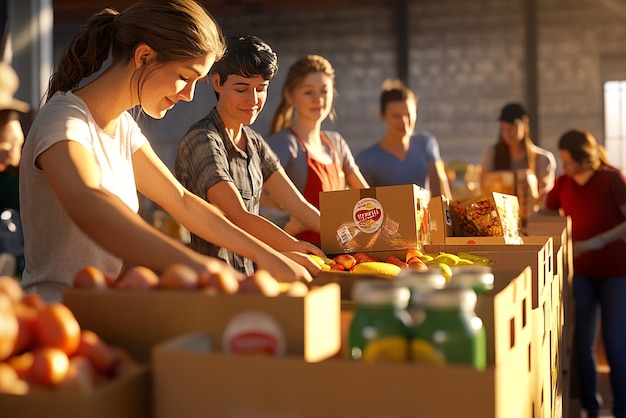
253 332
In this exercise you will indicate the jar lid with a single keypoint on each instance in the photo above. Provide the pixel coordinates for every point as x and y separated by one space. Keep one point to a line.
479 278
421 280
446 298
373 292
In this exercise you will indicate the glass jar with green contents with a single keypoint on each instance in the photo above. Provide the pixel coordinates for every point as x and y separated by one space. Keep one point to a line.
379 329
478 278
448 331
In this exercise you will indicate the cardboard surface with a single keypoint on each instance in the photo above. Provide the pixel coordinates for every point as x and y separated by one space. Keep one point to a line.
536 252
440 220
374 219
126 397
191 382
136 321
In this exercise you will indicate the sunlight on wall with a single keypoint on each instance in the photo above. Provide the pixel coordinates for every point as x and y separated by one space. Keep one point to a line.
615 122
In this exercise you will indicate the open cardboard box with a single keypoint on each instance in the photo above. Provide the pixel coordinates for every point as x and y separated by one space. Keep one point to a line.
192 381
374 219
536 253
126 397
136 320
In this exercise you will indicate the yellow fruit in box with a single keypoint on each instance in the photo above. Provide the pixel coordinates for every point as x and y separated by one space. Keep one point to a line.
465 262
446 271
477 259
377 267
424 352
323 262
386 349
426 258
447 258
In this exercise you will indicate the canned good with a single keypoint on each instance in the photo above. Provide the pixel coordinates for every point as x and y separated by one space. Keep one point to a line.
379 329
446 329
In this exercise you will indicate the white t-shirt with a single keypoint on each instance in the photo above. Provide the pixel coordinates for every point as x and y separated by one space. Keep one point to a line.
54 246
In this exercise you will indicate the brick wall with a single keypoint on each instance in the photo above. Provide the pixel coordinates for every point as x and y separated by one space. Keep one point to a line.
467 59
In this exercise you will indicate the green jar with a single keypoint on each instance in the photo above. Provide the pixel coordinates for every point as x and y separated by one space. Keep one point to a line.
380 327
446 329
478 278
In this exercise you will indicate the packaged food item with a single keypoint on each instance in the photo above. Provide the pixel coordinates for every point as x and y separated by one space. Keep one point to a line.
446 329
379 329
493 215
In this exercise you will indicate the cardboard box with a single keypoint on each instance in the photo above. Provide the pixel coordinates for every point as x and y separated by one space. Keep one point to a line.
126 397
440 220
374 219
192 381
136 321
490 215
537 253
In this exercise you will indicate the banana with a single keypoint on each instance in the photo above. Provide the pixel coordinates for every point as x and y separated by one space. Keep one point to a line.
377 267
447 258
323 262
475 258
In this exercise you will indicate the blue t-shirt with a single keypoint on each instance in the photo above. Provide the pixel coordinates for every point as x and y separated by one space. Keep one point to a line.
381 168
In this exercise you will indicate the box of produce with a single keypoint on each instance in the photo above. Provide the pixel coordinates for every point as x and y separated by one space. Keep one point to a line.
374 219
50 366
193 380
143 309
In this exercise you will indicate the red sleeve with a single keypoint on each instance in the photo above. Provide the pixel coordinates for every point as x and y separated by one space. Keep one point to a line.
553 198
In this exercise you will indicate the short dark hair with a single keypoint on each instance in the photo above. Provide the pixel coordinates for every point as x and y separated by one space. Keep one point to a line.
247 56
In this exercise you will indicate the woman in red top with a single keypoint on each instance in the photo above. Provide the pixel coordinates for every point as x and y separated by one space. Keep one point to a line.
593 194
315 160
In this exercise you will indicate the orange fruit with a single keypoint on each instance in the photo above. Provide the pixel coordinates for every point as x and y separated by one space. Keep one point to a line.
50 366
92 347
90 277
56 326
9 327
179 277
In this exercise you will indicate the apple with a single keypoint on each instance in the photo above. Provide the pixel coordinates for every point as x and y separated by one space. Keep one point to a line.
346 260
392 259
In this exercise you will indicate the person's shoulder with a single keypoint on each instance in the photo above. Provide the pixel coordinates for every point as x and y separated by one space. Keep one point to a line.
610 171
283 140
369 152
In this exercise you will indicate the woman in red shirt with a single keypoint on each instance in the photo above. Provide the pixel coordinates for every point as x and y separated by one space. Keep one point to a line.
593 194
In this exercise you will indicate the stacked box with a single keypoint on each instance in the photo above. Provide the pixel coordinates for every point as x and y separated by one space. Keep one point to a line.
374 219
129 396
137 321
187 373
441 226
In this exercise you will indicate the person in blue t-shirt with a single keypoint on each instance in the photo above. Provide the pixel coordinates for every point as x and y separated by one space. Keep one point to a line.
403 155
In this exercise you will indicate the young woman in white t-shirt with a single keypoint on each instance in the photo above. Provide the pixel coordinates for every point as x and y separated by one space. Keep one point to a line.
85 157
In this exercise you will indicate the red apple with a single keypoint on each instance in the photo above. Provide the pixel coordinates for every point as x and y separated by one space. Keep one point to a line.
346 260
393 259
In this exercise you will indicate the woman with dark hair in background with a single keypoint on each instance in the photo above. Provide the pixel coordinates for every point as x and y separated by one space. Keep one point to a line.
593 194
516 150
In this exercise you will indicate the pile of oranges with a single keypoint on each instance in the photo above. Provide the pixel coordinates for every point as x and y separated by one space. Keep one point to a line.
43 346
